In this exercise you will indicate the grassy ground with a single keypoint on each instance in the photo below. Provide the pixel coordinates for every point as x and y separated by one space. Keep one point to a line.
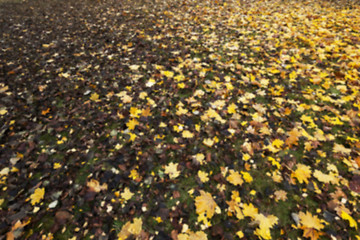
179 120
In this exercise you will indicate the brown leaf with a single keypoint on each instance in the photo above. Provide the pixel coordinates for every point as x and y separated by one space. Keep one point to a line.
208 157
174 235
176 194
354 184
217 230
61 217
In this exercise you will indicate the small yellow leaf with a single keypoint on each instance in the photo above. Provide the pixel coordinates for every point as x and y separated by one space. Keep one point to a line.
132 136
200 158
127 194
134 67
232 108
249 210
246 157
278 143
132 124
168 74
247 177
3 111
208 142
172 171
158 219
280 195
94 97
37 196
352 222
240 234
203 176
187 134
57 165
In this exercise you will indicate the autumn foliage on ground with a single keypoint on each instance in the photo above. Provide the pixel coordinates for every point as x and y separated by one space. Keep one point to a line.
179 120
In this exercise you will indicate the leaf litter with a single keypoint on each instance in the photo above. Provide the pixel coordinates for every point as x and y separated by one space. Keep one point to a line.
179 119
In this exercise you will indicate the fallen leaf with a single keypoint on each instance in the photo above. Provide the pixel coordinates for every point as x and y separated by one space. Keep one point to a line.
37 196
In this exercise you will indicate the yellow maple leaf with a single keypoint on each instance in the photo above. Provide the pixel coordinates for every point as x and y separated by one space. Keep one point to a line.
37 196
57 165
234 178
135 112
200 158
325 178
127 194
203 176
246 157
134 174
168 74
187 134
277 143
352 222
208 142
247 177
132 136
280 195
249 210
172 171
132 124
307 220
302 173
3 111
232 108
205 204
339 148
265 224
240 234
94 97
129 229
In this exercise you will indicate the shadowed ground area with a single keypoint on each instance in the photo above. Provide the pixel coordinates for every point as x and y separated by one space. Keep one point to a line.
179 119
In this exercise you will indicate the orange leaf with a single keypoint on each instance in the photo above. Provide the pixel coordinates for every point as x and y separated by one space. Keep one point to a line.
146 112
312 233
293 137
44 112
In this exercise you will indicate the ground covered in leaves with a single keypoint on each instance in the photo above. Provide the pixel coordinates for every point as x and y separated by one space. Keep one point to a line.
179 120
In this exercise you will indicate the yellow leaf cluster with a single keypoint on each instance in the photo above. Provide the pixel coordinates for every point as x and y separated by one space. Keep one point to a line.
130 229
307 220
199 235
95 186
